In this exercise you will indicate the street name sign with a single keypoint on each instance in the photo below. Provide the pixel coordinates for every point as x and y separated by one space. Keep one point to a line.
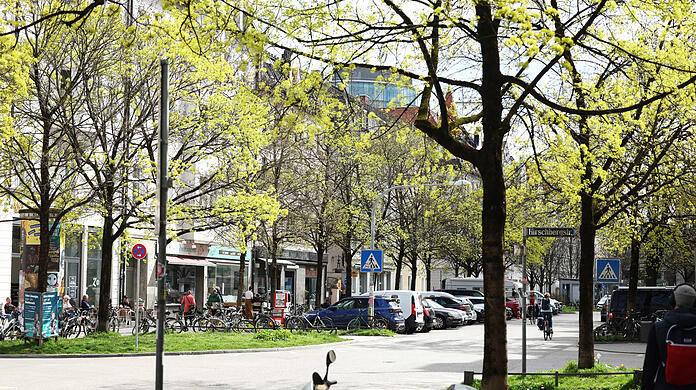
371 261
608 270
550 232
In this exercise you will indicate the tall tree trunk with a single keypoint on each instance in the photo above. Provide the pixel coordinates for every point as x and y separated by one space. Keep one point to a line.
320 268
399 265
633 274
495 358
348 260
107 245
414 270
652 270
241 287
588 231
428 272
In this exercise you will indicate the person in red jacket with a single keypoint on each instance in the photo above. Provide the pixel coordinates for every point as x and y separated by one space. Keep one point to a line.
188 306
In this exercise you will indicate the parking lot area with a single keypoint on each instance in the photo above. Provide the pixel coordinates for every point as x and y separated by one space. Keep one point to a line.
420 361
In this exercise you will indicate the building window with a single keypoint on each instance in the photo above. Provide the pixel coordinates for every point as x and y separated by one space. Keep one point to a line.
94 262
73 259
225 277
16 239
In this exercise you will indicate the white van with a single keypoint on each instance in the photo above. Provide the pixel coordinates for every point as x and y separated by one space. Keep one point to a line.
411 305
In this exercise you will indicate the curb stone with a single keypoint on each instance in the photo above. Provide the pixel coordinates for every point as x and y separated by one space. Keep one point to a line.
181 353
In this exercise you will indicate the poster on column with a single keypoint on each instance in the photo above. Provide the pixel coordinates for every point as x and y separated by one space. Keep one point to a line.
32 314
49 315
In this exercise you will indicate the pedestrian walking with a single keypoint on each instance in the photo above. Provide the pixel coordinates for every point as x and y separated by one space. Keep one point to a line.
248 297
670 352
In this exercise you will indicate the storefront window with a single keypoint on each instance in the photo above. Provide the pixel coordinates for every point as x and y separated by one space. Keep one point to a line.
225 277
73 257
180 278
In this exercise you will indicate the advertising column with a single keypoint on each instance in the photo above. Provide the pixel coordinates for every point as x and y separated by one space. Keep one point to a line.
29 256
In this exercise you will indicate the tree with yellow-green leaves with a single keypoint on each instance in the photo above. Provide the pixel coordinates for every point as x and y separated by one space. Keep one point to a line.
501 54
610 164
40 172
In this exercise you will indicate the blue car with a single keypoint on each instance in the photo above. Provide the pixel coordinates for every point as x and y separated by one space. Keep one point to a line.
343 311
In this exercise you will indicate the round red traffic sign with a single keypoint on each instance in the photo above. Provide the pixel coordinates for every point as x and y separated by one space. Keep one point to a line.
139 251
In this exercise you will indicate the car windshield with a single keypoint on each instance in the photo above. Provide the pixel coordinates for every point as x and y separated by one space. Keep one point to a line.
476 300
433 304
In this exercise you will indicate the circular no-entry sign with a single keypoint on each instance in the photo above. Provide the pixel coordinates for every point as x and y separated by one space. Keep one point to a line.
139 251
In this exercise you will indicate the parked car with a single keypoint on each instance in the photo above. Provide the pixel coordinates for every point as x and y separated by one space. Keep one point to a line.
513 305
343 311
452 302
443 317
602 301
428 318
410 304
604 310
649 300
479 307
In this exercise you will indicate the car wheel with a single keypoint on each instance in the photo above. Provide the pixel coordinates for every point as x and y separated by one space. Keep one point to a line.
440 323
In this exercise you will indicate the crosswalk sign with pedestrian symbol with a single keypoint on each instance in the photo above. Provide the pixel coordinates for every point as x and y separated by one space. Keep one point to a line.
608 270
371 261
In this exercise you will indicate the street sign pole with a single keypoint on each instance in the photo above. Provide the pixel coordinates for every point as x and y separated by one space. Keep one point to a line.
524 302
162 223
137 301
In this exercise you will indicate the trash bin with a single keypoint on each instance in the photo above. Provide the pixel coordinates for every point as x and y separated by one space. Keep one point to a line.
645 330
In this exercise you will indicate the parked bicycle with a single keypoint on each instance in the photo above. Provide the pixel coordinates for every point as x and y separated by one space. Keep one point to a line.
363 322
11 329
310 322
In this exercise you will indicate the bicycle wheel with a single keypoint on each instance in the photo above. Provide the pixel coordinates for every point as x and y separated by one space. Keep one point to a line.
264 321
200 324
328 325
245 326
380 323
546 332
215 324
294 324
354 324
173 325
114 325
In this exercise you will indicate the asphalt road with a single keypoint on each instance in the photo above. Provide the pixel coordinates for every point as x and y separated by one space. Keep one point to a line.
422 361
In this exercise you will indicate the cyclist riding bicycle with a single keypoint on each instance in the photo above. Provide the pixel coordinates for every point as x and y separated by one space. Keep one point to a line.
546 312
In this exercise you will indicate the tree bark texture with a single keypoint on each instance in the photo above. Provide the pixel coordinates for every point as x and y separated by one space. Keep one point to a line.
633 274
242 269
588 230
320 268
107 245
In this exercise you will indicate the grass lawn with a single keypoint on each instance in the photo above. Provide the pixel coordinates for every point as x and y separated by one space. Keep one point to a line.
606 382
568 309
115 343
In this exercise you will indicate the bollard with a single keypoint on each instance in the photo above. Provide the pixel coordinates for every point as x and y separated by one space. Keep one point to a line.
556 375
468 378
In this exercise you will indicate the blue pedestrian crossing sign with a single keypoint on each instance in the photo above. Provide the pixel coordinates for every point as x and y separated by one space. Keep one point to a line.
371 261
608 270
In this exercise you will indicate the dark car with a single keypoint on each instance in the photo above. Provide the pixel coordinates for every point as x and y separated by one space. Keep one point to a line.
649 300
343 311
443 317
428 318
